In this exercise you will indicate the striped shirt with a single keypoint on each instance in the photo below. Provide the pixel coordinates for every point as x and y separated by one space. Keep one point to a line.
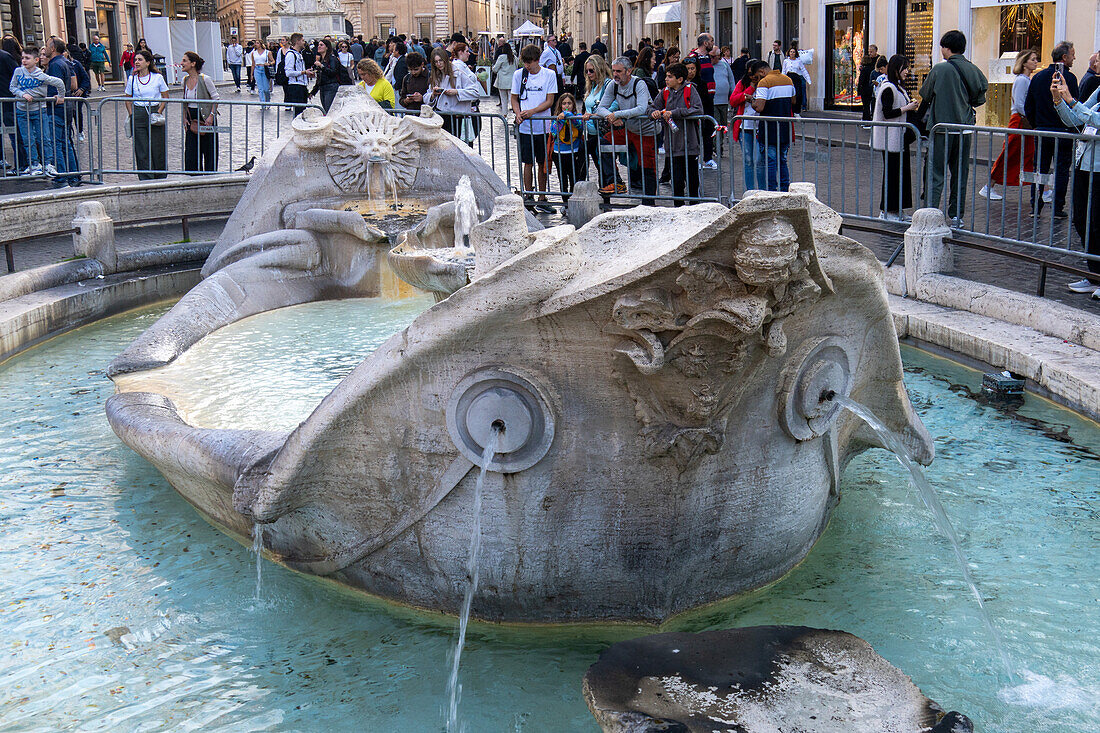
778 92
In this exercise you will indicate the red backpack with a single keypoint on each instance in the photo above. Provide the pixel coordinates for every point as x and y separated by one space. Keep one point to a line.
687 94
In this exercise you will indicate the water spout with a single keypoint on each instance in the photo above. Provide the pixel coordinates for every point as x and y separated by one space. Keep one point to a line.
892 441
258 551
454 690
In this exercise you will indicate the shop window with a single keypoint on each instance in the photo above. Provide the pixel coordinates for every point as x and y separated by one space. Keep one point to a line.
847 29
916 40
1021 27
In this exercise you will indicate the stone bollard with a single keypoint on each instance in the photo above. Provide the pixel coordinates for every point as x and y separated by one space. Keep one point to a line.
925 250
584 204
96 235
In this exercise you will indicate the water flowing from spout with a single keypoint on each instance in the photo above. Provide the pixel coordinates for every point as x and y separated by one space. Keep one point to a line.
931 500
454 690
258 551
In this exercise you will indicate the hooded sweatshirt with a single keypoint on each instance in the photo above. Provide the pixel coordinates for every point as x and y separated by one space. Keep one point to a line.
35 83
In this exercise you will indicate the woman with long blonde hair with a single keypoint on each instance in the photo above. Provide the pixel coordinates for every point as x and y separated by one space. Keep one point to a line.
597 75
1006 171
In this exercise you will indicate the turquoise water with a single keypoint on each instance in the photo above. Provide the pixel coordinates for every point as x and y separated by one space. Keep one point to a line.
94 539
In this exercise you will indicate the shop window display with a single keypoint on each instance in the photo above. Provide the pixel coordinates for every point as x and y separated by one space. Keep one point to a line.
1021 27
848 28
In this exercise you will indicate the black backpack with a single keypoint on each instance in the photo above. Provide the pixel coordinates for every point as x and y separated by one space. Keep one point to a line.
280 71
651 83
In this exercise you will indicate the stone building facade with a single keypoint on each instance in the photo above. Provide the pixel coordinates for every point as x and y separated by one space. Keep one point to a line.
840 31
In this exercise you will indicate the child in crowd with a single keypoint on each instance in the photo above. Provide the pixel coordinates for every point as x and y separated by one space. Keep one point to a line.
568 144
30 85
678 100
880 74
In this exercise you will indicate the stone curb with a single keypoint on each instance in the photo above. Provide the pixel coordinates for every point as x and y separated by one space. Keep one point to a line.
38 316
1066 372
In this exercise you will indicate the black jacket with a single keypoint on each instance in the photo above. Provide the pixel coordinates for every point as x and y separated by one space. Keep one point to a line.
8 65
863 85
740 65
1039 107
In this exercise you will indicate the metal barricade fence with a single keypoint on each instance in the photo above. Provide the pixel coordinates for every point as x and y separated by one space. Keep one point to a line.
967 165
47 139
487 134
553 155
131 139
862 169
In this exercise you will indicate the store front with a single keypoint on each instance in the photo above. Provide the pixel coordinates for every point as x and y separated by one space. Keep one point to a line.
663 21
915 41
846 33
107 26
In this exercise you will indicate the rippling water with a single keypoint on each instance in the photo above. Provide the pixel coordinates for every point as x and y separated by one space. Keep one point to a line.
120 609
283 380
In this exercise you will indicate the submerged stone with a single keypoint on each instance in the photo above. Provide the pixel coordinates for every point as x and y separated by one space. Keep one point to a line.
755 680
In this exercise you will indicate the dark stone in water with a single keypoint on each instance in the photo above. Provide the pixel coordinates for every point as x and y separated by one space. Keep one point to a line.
116 634
761 678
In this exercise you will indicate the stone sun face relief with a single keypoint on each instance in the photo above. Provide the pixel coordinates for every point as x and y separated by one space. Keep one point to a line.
371 153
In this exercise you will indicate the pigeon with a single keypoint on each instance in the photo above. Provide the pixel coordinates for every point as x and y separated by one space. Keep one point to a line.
247 167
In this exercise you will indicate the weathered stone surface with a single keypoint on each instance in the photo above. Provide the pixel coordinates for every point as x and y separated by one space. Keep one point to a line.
925 249
672 446
94 235
760 679
584 203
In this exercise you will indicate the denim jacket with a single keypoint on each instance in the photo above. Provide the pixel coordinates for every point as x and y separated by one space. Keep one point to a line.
1085 114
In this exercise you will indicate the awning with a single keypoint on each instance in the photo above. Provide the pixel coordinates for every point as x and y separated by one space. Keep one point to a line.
665 13
528 29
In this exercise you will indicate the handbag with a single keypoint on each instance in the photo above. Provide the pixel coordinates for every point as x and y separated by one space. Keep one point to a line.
466 133
156 119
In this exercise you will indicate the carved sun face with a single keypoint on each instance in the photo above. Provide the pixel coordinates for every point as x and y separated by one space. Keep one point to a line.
371 152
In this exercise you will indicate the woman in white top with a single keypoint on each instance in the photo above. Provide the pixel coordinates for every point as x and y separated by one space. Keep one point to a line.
792 67
148 91
1006 171
344 54
200 145
503 70
261 62
454 89
891 104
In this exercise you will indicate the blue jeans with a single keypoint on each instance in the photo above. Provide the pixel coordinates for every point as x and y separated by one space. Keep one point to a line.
755 170
64 155
236 69
777 164
36 132
262 85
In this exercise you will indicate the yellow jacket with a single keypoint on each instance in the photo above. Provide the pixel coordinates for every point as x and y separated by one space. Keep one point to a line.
382 92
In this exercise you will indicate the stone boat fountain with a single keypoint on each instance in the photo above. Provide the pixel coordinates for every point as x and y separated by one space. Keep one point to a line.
659 377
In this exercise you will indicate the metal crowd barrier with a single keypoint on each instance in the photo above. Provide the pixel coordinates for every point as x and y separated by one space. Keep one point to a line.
487 134
839 157
47 140
156 148
1023 165
652 172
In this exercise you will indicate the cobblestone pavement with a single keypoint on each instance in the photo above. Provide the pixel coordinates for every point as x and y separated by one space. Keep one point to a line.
836 156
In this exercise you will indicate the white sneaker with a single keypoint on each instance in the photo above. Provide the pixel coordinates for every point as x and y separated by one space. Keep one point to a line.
711 165
990 192
1082 286
661 150
36 169
51 171
1048 196
80 138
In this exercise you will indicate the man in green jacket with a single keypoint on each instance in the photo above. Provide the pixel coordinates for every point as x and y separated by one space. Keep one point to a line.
951 91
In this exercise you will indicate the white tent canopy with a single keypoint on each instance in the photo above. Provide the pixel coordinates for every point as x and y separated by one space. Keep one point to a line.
666 13
528 29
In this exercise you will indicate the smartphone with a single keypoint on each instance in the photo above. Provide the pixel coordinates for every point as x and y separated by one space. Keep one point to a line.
1060 68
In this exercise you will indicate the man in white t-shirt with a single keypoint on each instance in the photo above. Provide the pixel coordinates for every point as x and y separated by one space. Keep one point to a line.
533 92
234 56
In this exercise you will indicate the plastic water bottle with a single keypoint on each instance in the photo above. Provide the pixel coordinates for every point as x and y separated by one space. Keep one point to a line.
673 126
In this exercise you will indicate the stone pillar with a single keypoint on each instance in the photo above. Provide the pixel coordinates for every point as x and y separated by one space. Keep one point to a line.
925 250
95 237
584 204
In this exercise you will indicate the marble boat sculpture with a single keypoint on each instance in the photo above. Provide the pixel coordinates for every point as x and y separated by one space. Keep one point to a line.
659 376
